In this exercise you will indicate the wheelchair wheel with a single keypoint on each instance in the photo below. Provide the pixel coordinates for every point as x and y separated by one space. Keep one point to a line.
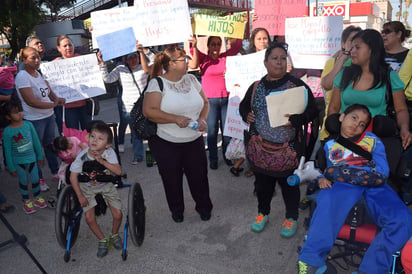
136 211
67 207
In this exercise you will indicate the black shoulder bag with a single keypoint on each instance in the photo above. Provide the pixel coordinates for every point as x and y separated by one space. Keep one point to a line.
143 127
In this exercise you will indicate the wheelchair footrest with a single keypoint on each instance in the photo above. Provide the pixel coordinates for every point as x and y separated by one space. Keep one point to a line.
364 233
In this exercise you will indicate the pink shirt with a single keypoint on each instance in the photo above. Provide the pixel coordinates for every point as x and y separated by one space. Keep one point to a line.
76 149
7 77
213 72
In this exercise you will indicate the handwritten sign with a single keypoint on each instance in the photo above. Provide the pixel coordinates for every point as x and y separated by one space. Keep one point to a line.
313 40
271 14
232 26
75 78
154 22
117 43
241 72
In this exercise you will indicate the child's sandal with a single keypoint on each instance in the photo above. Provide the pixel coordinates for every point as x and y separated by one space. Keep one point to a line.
234 171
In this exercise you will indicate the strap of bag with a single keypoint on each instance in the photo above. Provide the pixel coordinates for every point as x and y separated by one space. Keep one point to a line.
354 147
134 80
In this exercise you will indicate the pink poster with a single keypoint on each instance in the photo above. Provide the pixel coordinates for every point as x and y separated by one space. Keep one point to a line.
271 14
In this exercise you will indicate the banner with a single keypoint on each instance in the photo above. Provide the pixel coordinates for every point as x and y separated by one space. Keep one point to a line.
330 9
271 14
241 72
75 78
154 22
232 26
313 40
117 43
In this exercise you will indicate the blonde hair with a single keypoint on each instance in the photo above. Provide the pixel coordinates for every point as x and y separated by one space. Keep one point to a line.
162 59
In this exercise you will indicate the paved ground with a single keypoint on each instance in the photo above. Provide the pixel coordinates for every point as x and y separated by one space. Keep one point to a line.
225 244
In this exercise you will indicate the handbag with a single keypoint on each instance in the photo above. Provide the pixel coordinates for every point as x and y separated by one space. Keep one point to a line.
143 127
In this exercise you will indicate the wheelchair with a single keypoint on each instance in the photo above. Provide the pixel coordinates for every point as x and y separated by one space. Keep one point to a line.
359 229
69 212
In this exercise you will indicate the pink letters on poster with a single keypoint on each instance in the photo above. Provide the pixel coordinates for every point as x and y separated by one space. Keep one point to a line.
271 14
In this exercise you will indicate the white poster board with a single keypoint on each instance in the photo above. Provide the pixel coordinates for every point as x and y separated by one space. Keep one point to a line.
313 40
154 22
241 72
74 78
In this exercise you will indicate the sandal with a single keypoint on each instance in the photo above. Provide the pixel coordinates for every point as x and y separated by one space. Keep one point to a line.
235 171
249 173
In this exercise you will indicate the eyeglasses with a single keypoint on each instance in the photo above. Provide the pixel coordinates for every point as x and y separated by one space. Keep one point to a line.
386 31
38 43
186 60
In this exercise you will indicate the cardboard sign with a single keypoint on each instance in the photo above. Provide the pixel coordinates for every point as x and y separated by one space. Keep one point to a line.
241 72
154 22
232 26
271 14
313 40
117 43
75 78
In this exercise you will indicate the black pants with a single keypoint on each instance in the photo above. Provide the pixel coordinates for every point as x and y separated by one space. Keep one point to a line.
174 159
264 191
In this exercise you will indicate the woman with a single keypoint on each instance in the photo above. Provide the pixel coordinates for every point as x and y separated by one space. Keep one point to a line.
394 34
38 101
133 80
76 113
212 68
259 40
177 148
333 66
254 111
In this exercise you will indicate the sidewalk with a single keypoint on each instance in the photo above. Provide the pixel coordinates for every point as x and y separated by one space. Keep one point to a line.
225 244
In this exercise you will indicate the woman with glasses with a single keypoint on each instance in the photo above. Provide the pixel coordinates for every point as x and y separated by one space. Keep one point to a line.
393 35
253 109
179 148
212 68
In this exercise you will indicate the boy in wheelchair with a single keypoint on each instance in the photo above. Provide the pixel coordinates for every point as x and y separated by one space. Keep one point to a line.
349 176
91 168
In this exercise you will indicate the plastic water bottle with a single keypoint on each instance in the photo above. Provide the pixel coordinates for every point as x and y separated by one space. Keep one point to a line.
149 158
193 124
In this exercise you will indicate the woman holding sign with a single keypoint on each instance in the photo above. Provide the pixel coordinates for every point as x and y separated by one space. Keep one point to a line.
38 101
254 110
77 115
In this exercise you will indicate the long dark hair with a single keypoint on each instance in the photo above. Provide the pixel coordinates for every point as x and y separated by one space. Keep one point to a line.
377 65
252 46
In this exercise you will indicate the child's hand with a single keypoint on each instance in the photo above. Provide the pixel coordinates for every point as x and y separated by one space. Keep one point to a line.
13 173
40 162
97 156
83 201
324 183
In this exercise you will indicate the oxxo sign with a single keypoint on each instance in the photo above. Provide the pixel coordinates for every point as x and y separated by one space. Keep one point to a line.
331 9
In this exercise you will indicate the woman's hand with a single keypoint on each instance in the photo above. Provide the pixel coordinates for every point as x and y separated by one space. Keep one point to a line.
41 163
61 101
324 183
202 125
406 138
193 41
100 58
341 58
182 121
250 117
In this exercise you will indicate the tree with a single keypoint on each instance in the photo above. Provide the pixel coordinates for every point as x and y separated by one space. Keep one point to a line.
55 6
17 21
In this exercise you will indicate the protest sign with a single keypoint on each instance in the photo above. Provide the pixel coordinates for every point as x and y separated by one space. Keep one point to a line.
313 40
241 72
74 78
117 43
271 14
154 22
232 26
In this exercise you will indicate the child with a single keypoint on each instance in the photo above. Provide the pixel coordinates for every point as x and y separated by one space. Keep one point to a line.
337 197
7 71
68 148
236 151
22 150
102 157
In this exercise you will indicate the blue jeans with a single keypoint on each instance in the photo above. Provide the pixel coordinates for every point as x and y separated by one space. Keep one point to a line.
45 129
122 119
137 143
216 119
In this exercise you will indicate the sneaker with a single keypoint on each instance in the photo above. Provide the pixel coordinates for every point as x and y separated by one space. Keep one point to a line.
116 241
55 177
102 248
304 268
260 222
28 207
134 162
289 228
40 202
121 148
43 186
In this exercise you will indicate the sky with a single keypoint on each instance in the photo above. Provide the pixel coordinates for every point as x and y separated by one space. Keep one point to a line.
395 5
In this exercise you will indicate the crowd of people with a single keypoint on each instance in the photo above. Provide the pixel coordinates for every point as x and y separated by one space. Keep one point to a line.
366 86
